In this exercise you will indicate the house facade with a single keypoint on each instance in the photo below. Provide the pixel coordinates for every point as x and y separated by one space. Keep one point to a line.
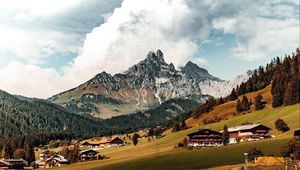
205 138
56 161
88 155
251 132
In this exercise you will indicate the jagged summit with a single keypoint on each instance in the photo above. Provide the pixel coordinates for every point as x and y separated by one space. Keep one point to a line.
144 85
193 71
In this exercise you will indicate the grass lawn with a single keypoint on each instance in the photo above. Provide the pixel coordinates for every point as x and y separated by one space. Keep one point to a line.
144 156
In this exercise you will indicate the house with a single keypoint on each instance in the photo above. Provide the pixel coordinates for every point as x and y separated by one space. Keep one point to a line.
251 132
116 142
204 138
13 163
104 143
88 155
56 160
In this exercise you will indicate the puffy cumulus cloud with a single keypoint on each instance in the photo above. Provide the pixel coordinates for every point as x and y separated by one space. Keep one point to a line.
31 80
136 28
35 30
176 27
34 46
265 29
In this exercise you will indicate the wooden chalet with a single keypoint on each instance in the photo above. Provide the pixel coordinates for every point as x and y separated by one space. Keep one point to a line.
251 132
13 163
204 138
88 155
104 143
56 161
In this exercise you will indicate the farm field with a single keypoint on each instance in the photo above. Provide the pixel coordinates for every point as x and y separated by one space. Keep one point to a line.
161 154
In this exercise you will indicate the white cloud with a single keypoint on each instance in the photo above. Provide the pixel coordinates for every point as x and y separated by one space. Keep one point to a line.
138 27
263 30
31 80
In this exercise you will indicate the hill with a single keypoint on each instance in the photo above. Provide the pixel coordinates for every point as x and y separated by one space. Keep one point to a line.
228 110
161 154
21 116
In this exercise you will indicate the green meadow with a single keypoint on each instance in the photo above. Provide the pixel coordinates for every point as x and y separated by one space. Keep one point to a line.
161 154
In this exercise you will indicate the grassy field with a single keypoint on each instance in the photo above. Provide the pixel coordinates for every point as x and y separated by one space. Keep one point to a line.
161 154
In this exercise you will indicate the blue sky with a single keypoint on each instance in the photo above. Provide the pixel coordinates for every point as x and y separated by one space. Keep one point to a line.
59 44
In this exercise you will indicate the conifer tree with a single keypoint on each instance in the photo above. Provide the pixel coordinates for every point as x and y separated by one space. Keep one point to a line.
258 102
239 106
233 95
245 103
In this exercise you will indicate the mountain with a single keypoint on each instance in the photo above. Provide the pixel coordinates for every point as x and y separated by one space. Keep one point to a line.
143 86
219 89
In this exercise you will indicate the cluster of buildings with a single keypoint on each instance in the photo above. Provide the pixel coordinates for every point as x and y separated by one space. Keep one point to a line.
103 143
208 137
48 159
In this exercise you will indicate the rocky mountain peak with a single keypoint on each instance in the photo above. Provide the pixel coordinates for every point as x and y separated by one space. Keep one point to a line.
155 58
190 66
102 77
193 71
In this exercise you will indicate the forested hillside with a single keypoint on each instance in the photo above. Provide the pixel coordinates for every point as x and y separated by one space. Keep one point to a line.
281 73
20 115
34 117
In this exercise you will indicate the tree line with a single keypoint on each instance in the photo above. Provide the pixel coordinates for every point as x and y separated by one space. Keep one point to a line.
282 74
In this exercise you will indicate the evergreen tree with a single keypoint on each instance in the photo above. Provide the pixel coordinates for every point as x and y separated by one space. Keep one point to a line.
245 104
7 151
281 125
221 101
176 127
225 135
239 106
233 95
29 152
135 139
183 125
258 102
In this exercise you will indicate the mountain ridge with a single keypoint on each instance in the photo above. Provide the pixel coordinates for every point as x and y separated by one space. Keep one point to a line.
144 85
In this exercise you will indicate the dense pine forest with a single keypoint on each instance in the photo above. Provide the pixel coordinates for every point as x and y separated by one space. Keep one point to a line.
24 118
281 73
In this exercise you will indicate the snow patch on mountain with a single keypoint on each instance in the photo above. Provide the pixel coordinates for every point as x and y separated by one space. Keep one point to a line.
221 89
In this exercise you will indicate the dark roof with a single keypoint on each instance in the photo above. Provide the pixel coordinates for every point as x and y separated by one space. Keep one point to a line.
297 132
204 130
245 127
88 150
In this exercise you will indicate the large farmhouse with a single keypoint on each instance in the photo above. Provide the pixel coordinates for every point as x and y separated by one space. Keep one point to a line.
104 143
251 132
205 137
88 155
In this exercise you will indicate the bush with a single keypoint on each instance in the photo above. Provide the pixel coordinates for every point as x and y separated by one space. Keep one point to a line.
254 153
281 125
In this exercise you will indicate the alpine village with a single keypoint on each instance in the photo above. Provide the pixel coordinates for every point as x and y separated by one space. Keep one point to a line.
256 124
150 84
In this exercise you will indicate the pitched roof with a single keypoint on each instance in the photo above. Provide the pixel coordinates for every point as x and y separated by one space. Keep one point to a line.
244 127
202 130
88 150
58 158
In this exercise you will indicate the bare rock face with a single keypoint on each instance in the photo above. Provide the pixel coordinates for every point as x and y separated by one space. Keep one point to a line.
143 86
